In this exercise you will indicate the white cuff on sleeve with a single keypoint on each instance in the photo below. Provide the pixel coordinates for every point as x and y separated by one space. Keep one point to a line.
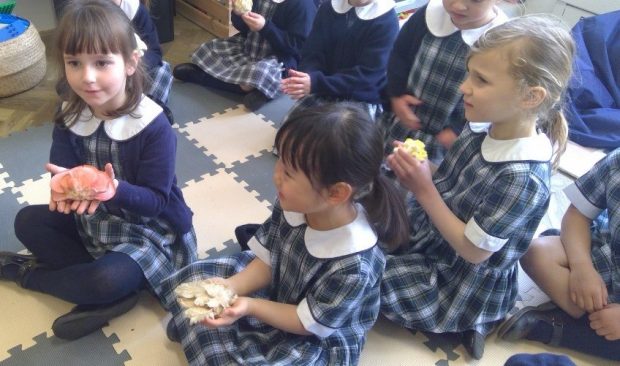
311 325
581 202
481 239
260 251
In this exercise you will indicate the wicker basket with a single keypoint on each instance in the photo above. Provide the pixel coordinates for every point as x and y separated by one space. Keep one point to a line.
22 62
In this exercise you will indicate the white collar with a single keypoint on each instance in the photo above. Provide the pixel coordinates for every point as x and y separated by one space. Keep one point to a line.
533 148
121 128
368 12
355 237
440 25
130 7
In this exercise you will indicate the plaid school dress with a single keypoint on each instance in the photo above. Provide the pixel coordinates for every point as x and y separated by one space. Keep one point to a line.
500 189
150 241
332 277
597 196
243 59
434 78
160 83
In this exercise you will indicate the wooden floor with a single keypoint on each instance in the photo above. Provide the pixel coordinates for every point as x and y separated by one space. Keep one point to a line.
36 106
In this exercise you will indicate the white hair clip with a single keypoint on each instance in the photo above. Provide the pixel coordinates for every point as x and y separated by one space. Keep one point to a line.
140 45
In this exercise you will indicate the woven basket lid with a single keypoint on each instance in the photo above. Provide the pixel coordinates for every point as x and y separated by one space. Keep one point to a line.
22 62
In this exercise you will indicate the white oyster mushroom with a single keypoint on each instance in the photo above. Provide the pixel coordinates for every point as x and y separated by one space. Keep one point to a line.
242 6
198 314
204 299
188 290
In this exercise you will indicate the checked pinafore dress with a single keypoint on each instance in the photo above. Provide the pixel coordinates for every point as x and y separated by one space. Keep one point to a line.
597 196
150 241
243 59
500 190
332 276
435 78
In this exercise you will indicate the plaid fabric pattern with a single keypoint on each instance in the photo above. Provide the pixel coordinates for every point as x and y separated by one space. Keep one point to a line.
311 100
343 293
243 59
160 83
435 77
151 242
601 187
427 286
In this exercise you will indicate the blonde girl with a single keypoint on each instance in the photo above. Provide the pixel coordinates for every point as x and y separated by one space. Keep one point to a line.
474 217
95 254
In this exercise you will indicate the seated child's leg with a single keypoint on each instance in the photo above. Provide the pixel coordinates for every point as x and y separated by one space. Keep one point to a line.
555 327
546 263
52 237
107 279
579 336
192 73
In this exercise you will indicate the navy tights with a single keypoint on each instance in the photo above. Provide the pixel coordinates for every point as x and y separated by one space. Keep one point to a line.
70 272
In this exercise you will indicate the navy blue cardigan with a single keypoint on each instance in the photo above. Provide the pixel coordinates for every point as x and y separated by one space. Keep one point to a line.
404 52
146 30
346 56
286 31
148 163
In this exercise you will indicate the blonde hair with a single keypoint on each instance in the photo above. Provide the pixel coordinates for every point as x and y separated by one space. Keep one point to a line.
95 26
541 56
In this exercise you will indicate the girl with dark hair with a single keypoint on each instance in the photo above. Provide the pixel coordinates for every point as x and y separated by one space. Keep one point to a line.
98 252
309 288
253 61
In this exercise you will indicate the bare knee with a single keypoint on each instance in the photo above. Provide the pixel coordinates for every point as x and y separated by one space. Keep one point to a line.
544 251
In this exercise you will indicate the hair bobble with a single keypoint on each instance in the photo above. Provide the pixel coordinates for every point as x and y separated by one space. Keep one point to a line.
140 45
363 192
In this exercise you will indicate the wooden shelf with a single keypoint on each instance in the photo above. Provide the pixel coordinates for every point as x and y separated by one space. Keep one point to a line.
211 15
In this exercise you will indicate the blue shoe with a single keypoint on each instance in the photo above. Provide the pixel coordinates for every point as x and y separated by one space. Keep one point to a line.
520 325
254 100
172 332
473 343
85 319
16 267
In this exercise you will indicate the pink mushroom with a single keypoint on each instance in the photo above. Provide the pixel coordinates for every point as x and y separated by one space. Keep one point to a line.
83 182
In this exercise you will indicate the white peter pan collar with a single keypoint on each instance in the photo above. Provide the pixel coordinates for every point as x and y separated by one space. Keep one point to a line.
130 7
440 25
533 148
121 128
368 12
355 237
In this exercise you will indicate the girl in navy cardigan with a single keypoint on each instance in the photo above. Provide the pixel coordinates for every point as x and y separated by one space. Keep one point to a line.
346 54
252 61
97 254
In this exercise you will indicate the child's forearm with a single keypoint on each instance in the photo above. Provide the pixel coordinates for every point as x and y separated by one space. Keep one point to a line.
576 239
451 228
255 276
278 315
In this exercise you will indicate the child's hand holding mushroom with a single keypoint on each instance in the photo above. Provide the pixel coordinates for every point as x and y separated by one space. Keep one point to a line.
80 189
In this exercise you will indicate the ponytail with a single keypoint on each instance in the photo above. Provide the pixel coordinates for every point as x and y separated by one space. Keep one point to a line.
387 212
557 130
